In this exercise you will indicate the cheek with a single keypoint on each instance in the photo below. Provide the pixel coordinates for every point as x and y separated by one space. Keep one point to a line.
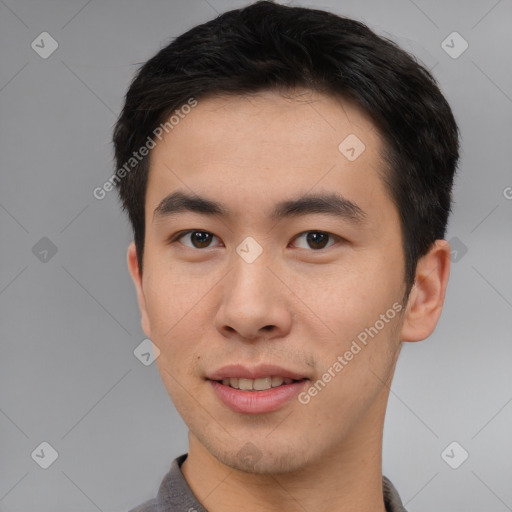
361 309
173 295
175 328
170 309
355 368
351 296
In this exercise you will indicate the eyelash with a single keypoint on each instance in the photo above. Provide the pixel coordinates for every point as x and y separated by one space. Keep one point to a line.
182 234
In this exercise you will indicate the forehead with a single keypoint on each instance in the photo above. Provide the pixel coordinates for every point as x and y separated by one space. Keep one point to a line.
267 145
300 118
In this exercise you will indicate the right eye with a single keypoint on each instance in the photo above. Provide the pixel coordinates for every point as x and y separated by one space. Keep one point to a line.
198 239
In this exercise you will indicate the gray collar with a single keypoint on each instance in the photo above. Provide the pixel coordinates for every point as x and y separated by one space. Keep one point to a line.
175 495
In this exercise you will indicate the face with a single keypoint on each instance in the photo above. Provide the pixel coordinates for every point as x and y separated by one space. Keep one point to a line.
266 283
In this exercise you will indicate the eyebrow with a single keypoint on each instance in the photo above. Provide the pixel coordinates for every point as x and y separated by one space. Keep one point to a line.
325 203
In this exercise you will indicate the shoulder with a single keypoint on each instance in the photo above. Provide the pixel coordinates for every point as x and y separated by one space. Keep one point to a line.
391 497
173 494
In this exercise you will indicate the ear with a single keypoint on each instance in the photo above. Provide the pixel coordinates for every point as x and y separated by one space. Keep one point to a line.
133 267
427 294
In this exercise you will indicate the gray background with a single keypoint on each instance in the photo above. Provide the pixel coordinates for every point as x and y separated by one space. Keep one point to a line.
69 325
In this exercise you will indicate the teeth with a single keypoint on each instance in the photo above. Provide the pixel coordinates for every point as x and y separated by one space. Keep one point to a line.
245 384
276 381
262 384
256 384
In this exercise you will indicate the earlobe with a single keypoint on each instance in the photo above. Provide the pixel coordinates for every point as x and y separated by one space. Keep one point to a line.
427 294
133 267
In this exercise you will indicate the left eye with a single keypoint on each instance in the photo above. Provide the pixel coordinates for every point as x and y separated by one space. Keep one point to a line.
316 240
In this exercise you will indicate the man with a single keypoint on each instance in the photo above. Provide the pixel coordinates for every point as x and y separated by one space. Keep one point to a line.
288 177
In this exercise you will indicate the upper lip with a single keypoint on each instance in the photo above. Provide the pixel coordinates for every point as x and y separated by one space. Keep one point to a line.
255 372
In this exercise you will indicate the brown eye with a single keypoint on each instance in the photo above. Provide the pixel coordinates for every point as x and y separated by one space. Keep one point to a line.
315 239
198 239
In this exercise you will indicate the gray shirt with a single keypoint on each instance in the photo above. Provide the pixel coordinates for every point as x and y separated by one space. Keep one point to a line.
175 495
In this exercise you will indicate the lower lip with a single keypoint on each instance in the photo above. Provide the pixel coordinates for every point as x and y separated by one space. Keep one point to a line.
257 402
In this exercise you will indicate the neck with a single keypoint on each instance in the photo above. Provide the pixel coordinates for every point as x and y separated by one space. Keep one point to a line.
347 478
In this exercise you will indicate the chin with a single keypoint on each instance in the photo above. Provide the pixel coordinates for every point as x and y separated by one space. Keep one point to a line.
267 461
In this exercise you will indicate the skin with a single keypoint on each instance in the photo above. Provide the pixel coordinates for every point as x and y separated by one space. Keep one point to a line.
296 306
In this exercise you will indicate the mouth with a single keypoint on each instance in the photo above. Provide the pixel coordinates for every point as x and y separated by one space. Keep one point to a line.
260 384
256 390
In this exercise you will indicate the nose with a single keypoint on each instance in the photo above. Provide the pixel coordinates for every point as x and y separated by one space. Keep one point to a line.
254 302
